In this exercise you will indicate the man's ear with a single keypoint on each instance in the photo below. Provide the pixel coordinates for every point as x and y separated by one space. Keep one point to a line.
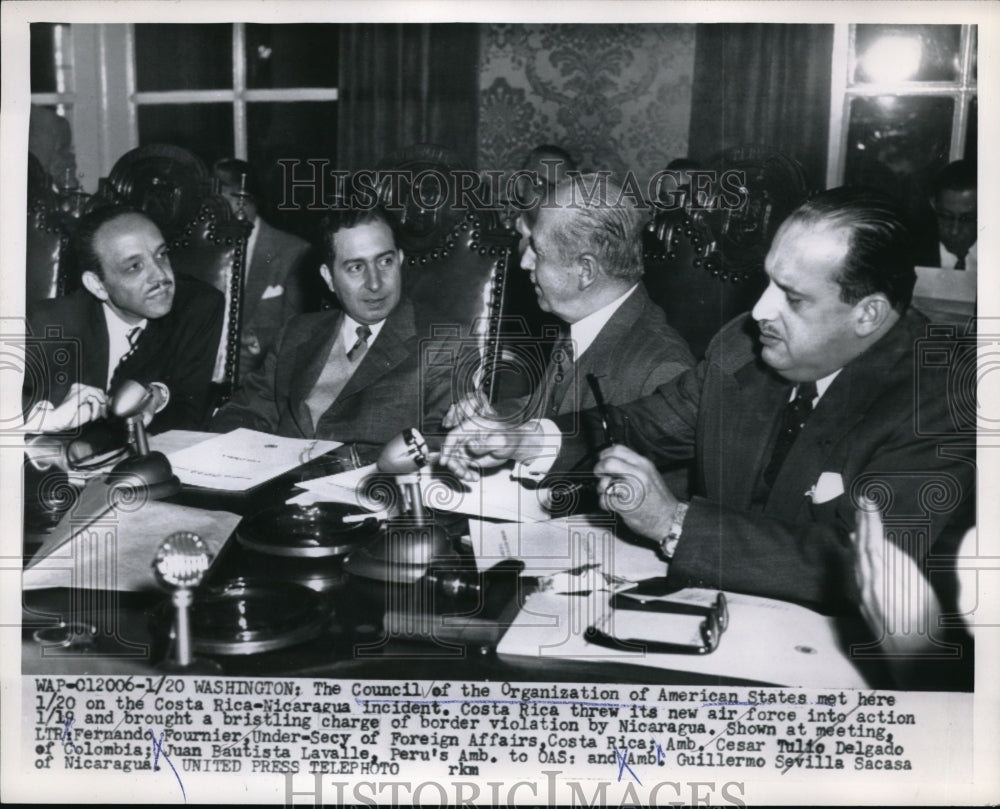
871 313
588 270
324 271
94 285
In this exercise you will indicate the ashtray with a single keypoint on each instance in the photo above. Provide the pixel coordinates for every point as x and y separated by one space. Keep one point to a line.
248 616
319 530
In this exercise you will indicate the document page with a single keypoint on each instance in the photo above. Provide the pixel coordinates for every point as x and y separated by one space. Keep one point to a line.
242 459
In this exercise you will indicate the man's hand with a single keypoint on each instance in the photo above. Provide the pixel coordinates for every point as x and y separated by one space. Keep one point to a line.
250 343
83 403
159 400
896 599
630 485
470 409
484 443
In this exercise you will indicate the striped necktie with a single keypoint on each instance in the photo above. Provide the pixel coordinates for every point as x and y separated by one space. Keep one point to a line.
133 342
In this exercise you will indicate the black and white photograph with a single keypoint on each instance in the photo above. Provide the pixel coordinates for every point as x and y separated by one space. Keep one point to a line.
499 404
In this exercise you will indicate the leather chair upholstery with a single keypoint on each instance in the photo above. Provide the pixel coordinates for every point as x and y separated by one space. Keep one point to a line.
705 262
47 238
461 271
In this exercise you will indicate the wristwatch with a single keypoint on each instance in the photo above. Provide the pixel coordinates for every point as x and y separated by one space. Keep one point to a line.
668 545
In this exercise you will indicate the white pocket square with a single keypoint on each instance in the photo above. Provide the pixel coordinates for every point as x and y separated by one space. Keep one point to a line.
273 292
829 486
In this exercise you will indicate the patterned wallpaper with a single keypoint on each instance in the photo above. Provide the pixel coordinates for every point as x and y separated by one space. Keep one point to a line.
615 96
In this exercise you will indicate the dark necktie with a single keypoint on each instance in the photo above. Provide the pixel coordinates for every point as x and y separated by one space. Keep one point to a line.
359 347
793 418
133 342
960 263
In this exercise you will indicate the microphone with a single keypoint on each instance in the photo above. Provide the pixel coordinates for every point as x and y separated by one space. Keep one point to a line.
404 454
148 471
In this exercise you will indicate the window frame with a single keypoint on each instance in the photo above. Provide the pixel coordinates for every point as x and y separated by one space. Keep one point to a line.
843 92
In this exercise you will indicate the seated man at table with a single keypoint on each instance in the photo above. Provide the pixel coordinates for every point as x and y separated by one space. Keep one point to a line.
350 374
797 410
134 319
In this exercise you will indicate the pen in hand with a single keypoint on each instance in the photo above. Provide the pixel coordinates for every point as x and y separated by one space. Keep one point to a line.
618 489
602 408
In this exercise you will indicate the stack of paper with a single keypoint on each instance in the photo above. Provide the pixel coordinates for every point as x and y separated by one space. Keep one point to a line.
241 459
497 496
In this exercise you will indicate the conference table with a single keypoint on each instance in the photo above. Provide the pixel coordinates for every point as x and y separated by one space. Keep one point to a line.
94 605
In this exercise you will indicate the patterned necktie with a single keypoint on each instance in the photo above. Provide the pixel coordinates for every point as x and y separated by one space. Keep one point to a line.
560 366
133 342
359 347
793 419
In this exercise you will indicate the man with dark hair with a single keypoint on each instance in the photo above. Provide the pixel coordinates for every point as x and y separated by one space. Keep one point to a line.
133 319
797 411
272 286
351 374
955 204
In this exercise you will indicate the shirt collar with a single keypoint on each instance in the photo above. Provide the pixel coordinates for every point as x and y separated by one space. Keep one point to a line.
118 326
948 258
349 331
821 386
585 331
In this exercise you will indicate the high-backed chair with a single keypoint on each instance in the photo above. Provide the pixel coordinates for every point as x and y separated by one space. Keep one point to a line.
460 269
47 239
705 262
206 240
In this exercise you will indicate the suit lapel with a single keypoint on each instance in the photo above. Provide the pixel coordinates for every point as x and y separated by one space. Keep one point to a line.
255 280
389 349
94 362
745 432
846 402
307 364
602 357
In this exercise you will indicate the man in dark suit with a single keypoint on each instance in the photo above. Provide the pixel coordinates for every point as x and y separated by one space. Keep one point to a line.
353 374
133 319
776 484
272 288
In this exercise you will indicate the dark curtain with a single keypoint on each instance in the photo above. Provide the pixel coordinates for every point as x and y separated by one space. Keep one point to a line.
763 84
405 84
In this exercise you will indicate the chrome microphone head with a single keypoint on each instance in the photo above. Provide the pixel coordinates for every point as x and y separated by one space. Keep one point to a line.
404 454
182 560
130 399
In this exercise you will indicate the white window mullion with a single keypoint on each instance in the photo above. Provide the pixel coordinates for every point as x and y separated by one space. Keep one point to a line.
839 112
130 87
240 146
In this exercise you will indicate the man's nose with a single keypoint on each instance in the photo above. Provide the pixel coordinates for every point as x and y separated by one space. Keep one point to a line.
766 304
528 259
373 281
160 270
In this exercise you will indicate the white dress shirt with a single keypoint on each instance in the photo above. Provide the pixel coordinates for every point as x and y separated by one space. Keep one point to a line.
948 259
